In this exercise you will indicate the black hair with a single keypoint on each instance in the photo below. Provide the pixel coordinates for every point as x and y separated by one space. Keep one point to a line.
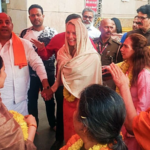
118 25
72 16
1 62
102 111
145 9
35 6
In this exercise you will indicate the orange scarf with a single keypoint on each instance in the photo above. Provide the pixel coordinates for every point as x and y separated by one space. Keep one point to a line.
19 52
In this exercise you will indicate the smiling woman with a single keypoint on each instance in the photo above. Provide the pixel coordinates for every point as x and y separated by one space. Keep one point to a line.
79 65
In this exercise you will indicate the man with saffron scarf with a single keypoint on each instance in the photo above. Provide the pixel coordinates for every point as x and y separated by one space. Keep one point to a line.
17 53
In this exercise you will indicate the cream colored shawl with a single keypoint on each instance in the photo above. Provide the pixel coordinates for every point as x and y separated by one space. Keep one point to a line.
81 70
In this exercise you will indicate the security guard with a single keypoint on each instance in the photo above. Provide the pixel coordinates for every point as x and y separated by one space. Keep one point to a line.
108 48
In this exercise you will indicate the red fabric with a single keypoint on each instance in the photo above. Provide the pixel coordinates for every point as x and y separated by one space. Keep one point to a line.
93 44
141 129
54 45
68 110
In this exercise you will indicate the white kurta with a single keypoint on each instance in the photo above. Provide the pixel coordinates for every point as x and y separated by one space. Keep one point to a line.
14 93
93 32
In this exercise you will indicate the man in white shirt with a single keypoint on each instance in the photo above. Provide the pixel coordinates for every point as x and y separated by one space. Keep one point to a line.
43 34
87 19
17 54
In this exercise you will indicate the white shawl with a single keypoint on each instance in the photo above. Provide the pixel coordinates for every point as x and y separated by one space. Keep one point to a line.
84 68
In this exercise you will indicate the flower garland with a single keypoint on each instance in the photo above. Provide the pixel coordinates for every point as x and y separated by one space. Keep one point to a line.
124 66
68 96
76 143
20 120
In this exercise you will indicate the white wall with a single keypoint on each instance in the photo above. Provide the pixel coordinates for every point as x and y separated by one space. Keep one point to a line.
55 12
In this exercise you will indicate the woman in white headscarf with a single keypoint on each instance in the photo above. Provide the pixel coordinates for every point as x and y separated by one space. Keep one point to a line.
79 65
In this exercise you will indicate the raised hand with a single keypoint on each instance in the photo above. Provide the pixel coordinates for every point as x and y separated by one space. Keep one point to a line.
38 44
118 76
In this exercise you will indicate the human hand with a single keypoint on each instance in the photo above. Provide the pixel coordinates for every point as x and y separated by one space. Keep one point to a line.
47 94
29 119
38 44
118 76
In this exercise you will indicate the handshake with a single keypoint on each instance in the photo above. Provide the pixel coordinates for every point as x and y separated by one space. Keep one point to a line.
47 93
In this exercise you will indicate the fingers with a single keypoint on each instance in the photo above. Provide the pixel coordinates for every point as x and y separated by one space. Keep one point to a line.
115 71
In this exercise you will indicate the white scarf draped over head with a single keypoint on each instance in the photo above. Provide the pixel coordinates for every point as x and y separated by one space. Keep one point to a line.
81 70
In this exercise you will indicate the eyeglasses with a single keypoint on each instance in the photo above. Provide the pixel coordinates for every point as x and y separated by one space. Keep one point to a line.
141 18
87 17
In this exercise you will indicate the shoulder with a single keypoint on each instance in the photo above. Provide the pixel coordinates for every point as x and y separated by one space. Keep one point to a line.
26 43
145 72
116 42
24 31
133 31
51 30
59 36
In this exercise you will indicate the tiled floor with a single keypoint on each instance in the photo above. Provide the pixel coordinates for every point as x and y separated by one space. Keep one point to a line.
45 136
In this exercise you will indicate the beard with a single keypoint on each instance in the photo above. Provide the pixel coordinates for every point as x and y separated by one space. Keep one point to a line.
87 25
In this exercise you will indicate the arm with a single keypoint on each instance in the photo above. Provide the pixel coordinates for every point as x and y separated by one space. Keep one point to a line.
36 63
122 82
32 126
143 95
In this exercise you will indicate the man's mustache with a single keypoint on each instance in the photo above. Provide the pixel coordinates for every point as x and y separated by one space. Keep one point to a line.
108 32
86 21
139 23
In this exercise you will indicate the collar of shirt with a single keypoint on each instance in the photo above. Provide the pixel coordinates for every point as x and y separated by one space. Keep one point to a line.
109 41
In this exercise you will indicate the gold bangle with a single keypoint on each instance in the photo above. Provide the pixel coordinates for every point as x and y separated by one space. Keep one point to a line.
32 125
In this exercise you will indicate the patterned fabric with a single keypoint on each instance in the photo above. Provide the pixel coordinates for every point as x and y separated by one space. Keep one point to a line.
44 36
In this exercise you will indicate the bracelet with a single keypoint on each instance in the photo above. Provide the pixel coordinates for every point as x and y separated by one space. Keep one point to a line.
32 125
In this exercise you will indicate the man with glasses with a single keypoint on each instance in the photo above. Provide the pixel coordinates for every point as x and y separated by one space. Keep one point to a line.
87 19
143 21
134 27
43 34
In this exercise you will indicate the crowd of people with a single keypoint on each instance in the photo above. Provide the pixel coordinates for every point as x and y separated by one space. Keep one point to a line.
102 85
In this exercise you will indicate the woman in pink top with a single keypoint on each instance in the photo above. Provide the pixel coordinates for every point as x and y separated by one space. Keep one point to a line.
136 66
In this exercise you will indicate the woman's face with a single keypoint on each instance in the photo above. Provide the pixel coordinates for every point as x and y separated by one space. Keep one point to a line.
114 27
2 76
71 34
126 49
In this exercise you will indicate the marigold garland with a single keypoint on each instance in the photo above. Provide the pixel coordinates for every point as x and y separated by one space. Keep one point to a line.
68 96
20 120
76 143
124 66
